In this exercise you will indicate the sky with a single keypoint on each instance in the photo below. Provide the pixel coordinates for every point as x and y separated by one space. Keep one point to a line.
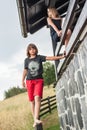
13 46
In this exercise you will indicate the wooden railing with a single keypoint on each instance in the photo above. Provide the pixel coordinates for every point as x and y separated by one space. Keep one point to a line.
68 19
47 105
75 39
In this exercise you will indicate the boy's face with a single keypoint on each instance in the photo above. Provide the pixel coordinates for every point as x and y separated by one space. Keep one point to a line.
32 51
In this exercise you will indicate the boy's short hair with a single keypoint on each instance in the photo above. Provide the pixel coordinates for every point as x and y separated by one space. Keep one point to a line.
31 45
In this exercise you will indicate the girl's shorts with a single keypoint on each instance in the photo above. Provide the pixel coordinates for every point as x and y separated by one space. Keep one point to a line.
34 88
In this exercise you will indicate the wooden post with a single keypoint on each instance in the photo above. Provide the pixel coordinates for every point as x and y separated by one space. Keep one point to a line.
49 104
39 127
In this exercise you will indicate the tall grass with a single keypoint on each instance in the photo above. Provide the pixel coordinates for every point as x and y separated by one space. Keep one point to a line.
50 121
15 113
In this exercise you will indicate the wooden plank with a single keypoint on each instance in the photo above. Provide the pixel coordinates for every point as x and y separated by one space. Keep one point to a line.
62 8
68 19
52 96
42 114
53 107
60 65
53 104
53 100
63 5
35 3
42 104
42 100
21 11
69 16
81 23
44 108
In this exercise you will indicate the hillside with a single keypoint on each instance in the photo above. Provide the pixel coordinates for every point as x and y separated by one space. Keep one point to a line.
15 112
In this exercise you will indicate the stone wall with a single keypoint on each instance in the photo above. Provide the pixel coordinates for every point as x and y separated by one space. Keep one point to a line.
71 92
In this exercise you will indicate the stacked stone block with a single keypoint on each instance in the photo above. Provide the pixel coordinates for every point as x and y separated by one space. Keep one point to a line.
71 92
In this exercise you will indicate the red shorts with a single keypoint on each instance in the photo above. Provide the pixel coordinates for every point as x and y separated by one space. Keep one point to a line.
34 88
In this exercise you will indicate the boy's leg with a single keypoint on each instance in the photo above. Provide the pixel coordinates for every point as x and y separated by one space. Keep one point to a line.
33 111
37 108
33 107
38 92
37 111
30 90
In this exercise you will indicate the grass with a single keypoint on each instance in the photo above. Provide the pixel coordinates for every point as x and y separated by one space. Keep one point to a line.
15 113
56 127
50 121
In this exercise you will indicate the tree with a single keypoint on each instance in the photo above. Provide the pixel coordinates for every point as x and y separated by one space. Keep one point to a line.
48 73
13 91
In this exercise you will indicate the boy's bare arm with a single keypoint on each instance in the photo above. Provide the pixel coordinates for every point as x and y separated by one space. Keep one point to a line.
23 77
55 57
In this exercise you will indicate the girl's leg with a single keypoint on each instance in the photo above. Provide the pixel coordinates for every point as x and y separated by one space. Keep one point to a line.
37 109
67 37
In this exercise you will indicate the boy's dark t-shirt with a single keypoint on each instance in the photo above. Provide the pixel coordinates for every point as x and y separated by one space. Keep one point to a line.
34 67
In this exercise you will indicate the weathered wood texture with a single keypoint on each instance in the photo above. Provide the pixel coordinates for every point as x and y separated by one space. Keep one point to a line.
80 26
47 105
68 20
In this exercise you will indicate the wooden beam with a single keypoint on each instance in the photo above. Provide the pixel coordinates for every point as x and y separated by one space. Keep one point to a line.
82 21
34 3
21 11
63 5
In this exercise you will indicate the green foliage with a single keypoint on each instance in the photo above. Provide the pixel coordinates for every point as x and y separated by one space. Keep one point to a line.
13 91
48 73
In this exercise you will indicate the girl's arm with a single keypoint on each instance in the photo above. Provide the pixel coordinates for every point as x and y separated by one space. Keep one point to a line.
23 77
49 21
55 57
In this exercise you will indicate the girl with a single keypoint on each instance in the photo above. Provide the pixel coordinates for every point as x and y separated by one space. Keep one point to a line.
55 22
33 70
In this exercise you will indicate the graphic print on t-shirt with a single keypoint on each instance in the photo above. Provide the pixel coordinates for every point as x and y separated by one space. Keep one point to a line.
33 67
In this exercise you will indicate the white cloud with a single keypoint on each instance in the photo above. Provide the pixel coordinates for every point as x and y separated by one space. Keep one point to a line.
11 72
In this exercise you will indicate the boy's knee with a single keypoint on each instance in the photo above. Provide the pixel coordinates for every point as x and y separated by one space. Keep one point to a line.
37 98
32 102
